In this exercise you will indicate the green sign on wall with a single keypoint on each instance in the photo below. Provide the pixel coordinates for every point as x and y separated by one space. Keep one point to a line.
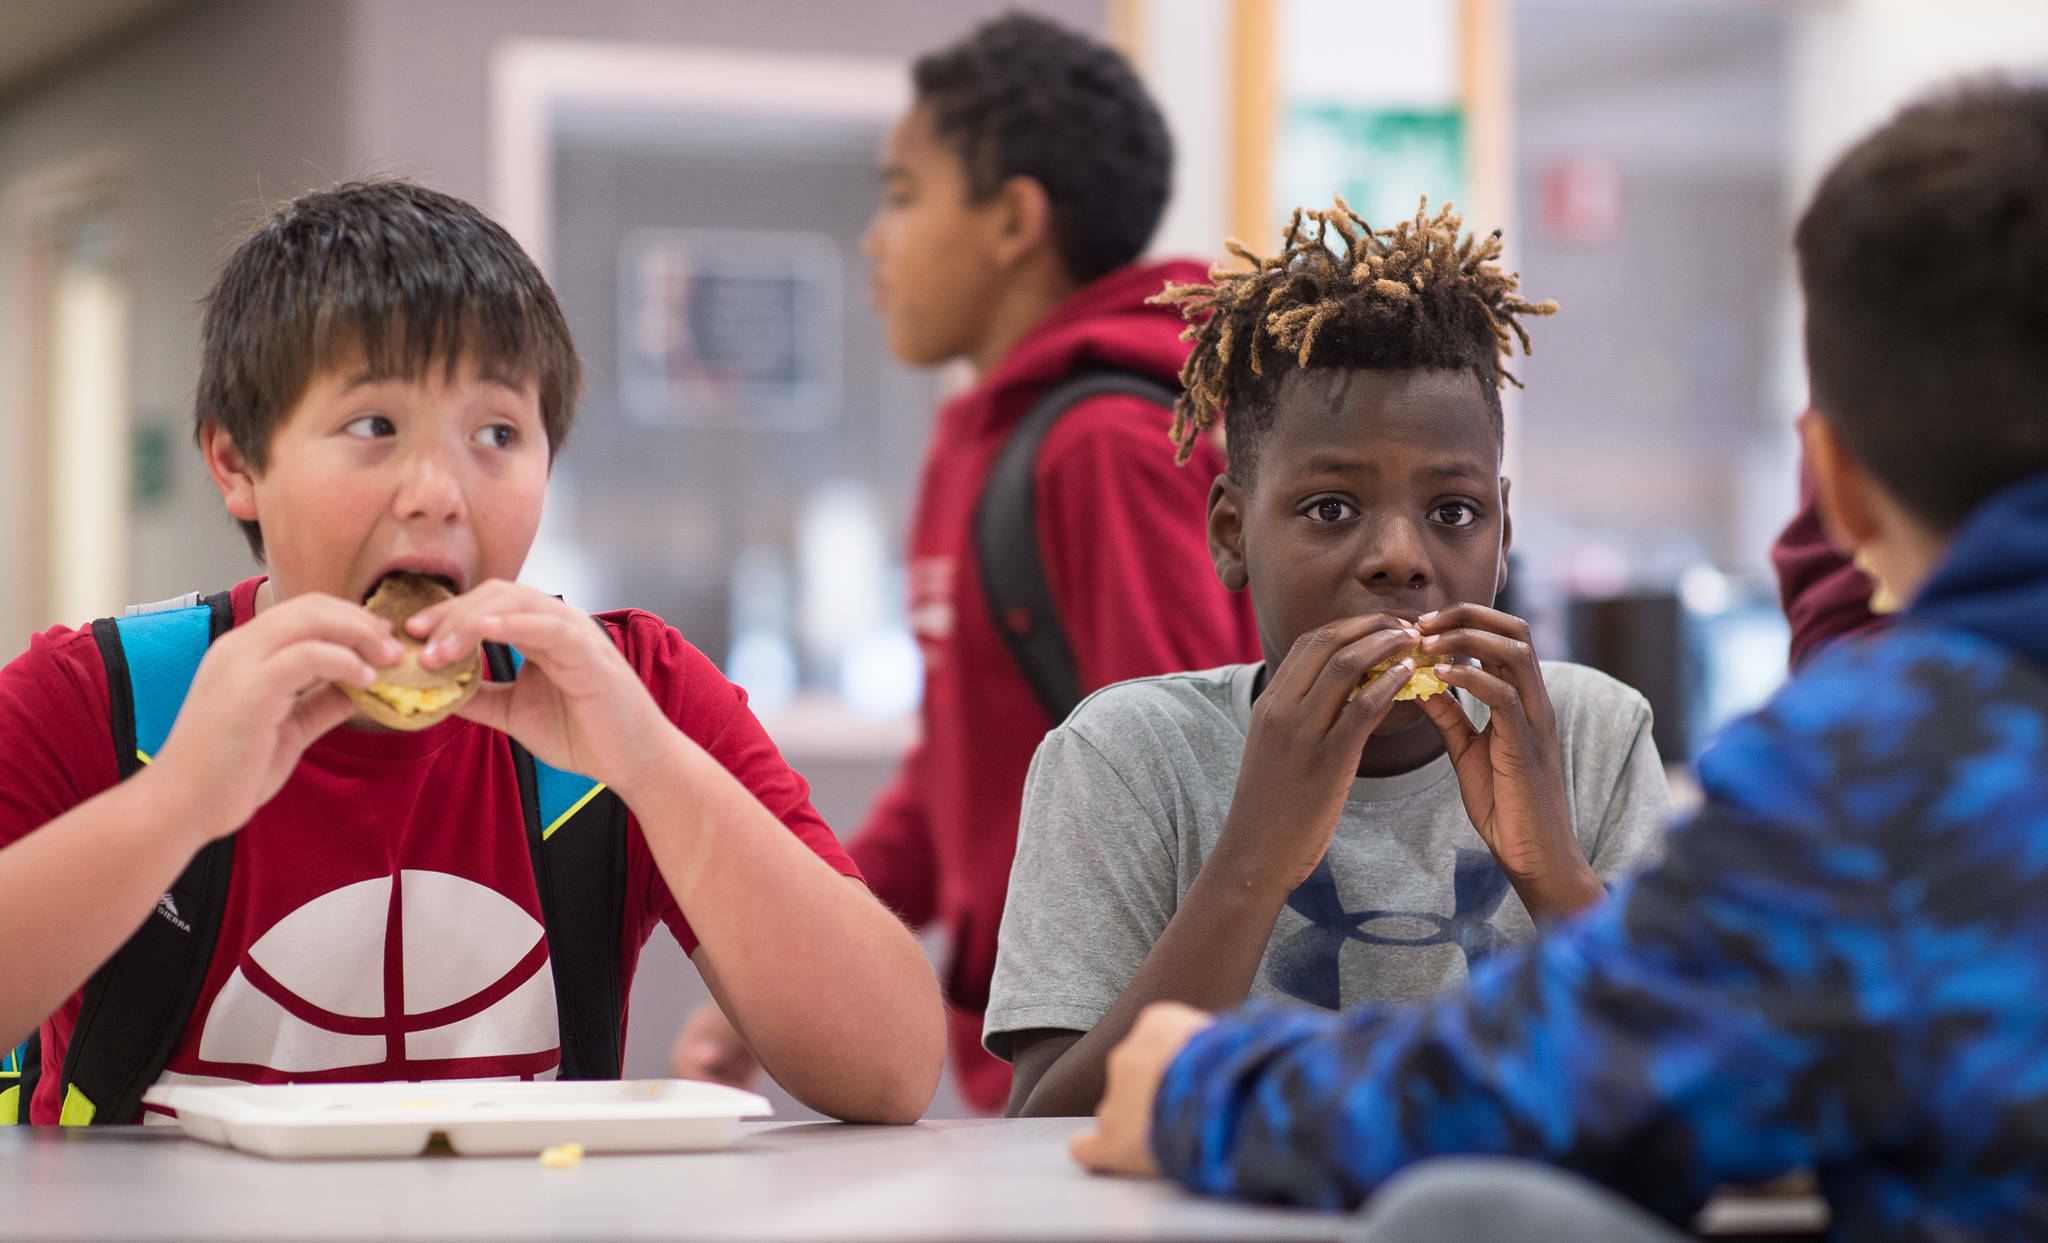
1381 160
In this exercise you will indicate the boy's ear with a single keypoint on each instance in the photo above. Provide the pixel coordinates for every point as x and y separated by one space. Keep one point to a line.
1507 538
1226 533
1023 219
1841 487
231 472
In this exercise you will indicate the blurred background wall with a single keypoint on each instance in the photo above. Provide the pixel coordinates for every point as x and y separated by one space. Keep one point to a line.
1645 157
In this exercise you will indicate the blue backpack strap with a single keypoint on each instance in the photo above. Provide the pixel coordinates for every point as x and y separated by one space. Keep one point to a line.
136 1005
162 649
576 836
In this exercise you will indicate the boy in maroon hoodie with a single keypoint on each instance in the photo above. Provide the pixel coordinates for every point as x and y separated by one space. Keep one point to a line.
1017 192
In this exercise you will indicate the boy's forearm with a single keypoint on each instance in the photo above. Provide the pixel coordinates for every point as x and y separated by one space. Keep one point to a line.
1207 957
73 891
830 990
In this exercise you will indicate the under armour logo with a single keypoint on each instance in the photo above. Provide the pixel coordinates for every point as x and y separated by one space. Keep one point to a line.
167 907
1306 965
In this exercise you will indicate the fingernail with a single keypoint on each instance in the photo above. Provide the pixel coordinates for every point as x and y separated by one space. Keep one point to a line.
366 677
1425 617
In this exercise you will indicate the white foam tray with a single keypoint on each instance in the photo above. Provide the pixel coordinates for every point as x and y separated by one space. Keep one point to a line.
478 1117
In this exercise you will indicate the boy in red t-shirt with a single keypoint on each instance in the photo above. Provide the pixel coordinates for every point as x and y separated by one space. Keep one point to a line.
1017 194
385 381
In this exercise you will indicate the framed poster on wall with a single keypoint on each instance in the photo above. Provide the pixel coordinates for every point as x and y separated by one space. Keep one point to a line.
730 329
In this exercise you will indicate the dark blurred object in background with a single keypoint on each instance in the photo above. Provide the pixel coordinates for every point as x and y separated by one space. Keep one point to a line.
1646 639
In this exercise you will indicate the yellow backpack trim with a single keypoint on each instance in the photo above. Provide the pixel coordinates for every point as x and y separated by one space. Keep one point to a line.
575 807
78 1110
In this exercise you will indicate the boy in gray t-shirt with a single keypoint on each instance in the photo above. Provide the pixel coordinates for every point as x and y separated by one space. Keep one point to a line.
1125 802
1289 827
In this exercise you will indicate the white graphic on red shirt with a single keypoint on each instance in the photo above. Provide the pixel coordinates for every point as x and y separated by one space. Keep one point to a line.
430 977
931 606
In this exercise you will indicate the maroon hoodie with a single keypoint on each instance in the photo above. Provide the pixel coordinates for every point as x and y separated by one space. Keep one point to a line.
1824 596
1122 533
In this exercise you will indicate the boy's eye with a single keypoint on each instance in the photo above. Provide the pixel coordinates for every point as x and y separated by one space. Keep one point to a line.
1330 509
1456 514
370 427
497 435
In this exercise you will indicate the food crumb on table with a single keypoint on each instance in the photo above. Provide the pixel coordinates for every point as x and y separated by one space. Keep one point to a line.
562 1156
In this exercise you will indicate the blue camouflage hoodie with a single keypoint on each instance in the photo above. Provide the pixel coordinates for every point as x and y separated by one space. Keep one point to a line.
1841 965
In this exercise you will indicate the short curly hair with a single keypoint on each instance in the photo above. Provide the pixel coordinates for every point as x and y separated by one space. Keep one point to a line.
1341 294
1024 97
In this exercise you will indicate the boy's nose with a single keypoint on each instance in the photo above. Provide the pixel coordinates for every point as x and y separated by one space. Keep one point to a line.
429 489
1395 557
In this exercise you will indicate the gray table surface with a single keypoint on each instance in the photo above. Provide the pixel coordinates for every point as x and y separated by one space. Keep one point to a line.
970 1180
966 1180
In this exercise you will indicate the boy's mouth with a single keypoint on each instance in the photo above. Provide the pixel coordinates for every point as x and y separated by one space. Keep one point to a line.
442 579
444 572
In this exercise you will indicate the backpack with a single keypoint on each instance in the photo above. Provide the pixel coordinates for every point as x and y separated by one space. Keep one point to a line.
1006 537
136 1006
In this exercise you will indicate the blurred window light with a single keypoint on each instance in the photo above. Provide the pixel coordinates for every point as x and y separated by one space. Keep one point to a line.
87 316
1743 664
882 675
1705 590
841 567
763 665
762 660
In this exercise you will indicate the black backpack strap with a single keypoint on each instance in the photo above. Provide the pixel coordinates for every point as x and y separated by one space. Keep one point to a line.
137 1004
576 835
1006 537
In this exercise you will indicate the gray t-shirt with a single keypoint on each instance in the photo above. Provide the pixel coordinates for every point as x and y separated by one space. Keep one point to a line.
1126 799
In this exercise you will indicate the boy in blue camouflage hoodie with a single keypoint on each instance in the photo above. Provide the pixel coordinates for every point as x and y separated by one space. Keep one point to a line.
1842 964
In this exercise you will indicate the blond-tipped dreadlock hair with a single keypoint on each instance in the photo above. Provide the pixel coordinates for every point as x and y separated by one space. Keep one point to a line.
1343 294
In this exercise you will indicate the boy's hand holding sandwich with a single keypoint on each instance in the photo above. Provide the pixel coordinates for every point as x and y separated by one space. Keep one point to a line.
576 703
1308 728
263 693
1511 773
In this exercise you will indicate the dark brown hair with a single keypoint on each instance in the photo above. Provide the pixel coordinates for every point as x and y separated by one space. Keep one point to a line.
1341 294
1924 260
385 274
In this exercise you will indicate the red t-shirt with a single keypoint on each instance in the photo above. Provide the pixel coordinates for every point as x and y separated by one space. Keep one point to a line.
382 922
